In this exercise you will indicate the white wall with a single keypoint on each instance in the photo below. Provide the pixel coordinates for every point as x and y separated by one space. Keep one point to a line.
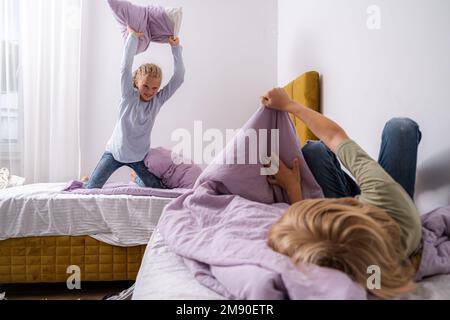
230 52
369 76
231 55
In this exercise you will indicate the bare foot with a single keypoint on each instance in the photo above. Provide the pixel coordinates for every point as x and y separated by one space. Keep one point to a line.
85 179
133 176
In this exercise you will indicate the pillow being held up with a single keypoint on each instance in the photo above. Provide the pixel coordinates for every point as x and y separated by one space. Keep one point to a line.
157 23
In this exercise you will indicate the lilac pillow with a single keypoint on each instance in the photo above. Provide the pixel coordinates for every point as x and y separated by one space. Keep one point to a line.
153 21
160 162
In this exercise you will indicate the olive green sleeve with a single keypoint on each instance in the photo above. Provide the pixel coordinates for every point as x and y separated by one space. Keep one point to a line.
379 189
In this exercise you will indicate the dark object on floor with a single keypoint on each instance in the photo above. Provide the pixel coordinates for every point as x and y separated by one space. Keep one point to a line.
59 291
109 295
2 292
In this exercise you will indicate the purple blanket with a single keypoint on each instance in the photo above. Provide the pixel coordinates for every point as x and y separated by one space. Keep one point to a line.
436 243
220 227
153 21
177 177
132 189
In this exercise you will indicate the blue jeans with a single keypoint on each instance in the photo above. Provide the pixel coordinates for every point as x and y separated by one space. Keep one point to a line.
398 157
108 165
139 182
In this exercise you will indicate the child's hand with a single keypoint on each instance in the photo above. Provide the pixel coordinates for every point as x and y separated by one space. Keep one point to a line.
136 34
174 42
286 178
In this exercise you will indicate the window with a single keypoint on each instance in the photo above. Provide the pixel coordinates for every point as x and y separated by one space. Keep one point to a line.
10 108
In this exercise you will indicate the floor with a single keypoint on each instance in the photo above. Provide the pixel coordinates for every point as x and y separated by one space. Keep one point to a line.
88 291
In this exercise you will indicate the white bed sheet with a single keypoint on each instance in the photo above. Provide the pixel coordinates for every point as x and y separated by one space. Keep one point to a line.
42 210
164 276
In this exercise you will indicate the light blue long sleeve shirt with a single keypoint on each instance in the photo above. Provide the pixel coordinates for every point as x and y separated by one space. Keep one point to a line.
131 138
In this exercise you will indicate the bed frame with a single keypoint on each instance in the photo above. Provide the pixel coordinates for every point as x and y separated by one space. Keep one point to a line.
306 91
46 260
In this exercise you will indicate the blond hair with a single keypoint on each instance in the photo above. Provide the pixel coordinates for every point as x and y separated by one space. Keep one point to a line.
346 235
149 69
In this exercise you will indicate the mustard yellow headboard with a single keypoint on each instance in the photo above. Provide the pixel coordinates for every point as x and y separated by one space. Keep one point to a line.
306 91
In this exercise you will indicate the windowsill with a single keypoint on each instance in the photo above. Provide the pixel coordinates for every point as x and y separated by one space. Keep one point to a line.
13 156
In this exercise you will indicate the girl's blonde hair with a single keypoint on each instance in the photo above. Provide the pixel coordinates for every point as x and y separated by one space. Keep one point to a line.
148 69
347 235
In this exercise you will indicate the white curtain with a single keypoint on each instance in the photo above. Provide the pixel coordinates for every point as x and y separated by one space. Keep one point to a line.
10 106
50 68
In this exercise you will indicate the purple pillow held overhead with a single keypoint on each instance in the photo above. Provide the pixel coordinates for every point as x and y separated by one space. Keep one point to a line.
153 21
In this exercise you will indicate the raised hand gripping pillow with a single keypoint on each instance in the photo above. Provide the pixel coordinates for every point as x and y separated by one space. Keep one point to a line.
157 23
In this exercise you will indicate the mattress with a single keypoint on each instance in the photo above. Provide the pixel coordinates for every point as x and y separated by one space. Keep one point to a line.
43 210
164 276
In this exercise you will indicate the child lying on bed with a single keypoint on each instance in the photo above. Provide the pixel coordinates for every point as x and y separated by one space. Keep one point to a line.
373 222
140 104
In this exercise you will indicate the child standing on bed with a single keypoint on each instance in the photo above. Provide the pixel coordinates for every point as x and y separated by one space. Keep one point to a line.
140 104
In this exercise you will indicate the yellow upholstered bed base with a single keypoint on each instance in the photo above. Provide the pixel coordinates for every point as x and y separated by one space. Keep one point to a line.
46 260
306 91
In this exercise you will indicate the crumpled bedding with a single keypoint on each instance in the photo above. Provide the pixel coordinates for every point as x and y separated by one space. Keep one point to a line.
435 244
177 174
220 227
220 230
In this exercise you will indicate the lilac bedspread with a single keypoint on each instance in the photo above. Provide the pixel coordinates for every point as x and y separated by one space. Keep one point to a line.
132 189
220 228
436 243
177 177
150 20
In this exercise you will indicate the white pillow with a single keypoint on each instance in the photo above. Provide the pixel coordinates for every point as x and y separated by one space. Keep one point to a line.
8 181
176 15
4 177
